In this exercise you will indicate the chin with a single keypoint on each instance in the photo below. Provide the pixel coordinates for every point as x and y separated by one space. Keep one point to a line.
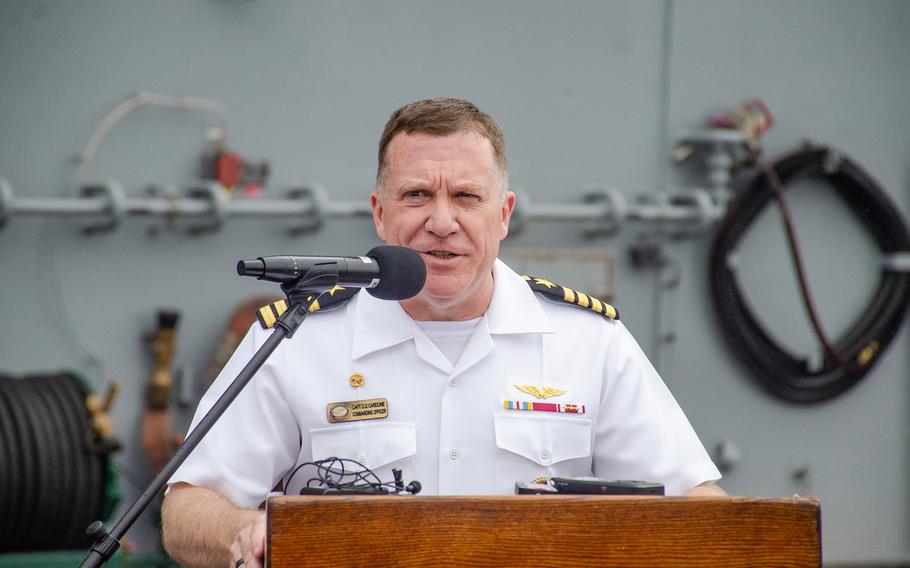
440 293
442 288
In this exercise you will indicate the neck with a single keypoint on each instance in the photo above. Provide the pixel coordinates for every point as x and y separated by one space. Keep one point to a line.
425 308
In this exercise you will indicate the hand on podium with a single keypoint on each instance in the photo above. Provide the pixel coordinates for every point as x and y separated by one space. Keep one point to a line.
248 548
204 528
706 489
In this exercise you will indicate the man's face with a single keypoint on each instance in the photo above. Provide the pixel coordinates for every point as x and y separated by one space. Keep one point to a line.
441 196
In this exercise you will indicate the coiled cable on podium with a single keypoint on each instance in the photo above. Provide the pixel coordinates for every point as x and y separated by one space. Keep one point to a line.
332 476
850 357
52 485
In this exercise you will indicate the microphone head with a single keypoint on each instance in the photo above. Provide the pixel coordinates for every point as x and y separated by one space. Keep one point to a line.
402 272
254 267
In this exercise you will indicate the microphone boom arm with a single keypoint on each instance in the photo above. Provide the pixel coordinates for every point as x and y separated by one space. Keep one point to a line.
106 543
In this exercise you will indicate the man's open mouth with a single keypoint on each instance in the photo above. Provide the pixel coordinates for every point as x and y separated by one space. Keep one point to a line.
441 254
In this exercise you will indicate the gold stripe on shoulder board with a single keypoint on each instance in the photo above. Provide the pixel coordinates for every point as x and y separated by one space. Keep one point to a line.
567 295
269 314
582 300
330 300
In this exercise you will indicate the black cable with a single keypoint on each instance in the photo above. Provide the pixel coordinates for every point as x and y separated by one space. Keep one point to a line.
335 475
91 463
27 460
67 456
55 479
851 356
10 490
61 461
73 532
45 459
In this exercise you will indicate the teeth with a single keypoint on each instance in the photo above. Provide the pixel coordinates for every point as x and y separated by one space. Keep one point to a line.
441 254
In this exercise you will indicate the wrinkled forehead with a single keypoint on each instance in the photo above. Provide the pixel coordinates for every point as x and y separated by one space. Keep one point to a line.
407 144
464 152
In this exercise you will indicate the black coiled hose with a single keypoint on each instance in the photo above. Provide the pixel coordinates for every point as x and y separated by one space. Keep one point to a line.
51 485
862 345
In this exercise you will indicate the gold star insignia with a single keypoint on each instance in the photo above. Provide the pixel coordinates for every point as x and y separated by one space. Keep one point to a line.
544 282
545 392
356 380
335 288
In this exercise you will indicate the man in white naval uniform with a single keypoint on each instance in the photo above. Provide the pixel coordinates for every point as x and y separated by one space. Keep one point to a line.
485 382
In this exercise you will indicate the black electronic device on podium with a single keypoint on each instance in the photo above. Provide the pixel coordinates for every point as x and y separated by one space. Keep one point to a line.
387 272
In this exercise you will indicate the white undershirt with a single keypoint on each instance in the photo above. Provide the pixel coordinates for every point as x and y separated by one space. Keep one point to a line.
451 337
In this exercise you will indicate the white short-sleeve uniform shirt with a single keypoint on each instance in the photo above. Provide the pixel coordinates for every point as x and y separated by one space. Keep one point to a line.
448 425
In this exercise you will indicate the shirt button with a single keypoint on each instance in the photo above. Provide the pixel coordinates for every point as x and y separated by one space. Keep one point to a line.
545 454
454 455
453 382
362 459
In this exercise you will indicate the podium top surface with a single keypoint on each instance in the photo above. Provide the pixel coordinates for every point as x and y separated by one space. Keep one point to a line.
542 530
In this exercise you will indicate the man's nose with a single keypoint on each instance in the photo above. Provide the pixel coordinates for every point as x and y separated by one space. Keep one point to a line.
442 221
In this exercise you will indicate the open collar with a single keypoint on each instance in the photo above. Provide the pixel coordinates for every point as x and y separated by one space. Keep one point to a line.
378 324
514 309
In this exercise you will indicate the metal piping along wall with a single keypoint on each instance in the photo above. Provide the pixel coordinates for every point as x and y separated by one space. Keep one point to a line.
205 206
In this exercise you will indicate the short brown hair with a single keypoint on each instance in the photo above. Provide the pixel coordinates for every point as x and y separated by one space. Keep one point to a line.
441 117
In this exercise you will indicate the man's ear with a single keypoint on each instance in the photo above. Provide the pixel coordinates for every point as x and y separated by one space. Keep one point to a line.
376 205
507 207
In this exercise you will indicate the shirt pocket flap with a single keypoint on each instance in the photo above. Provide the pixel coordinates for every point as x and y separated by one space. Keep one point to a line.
544 440
373 445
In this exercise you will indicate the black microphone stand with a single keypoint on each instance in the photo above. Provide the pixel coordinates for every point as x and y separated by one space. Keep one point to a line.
300 294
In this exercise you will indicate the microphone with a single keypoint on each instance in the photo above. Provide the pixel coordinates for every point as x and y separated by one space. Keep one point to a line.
387 272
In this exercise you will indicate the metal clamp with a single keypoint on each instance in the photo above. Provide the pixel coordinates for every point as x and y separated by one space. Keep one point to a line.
897 261
834 159
726 148
214 217
615 211
168 195
6 201
112 211
675 213
311 220
651 207
705 211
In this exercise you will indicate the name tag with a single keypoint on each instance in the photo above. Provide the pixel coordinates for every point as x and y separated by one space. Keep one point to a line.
353 410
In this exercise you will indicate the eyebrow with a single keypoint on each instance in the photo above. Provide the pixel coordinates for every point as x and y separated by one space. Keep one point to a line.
412 183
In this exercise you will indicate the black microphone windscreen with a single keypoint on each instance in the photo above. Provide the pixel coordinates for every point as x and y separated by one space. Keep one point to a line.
402 272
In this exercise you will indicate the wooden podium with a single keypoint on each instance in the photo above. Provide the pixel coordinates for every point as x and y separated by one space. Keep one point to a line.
542 530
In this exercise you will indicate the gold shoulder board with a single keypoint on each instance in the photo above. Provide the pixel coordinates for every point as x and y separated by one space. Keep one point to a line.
559 293
331 299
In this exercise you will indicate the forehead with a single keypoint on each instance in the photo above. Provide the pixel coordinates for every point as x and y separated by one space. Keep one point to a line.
465 153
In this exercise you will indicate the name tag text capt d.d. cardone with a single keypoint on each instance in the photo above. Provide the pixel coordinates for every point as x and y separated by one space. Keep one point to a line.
352 410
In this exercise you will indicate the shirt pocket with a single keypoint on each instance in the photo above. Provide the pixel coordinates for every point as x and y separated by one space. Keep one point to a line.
544 440
373 445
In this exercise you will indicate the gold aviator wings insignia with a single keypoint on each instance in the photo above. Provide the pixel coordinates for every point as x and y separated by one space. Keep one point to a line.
545 392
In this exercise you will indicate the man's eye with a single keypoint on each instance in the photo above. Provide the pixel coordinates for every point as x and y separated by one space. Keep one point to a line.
415 193
467 195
